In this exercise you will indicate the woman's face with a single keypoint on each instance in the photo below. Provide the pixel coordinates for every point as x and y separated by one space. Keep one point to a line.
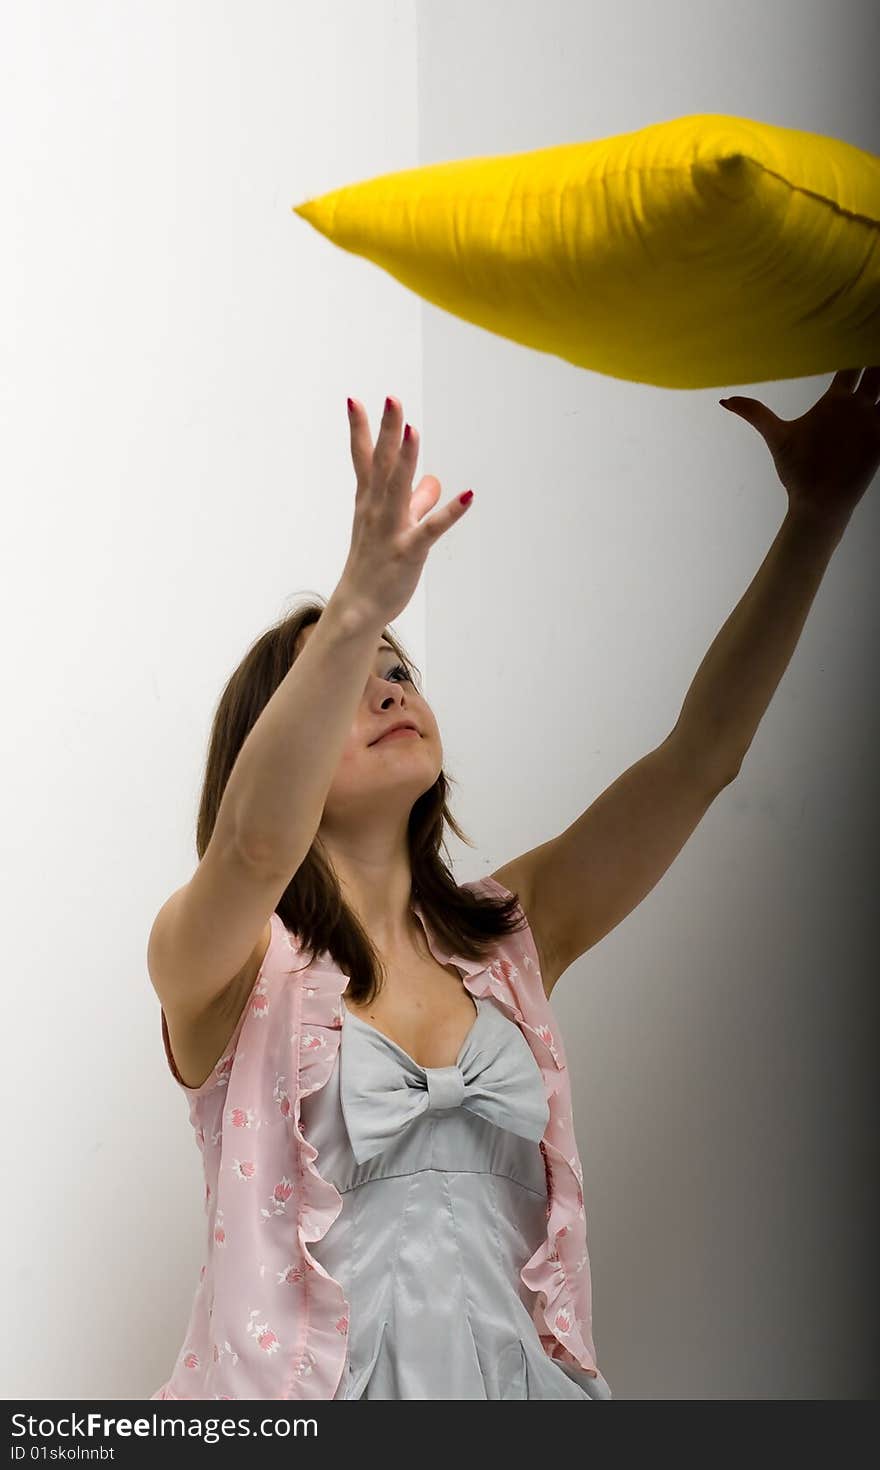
378 781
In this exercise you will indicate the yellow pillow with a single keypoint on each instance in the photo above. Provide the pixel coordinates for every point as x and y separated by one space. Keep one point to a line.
701 251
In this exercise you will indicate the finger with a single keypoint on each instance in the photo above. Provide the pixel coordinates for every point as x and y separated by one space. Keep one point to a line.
361 443
441 520
401 476
425 496
387 442
869 387
844 381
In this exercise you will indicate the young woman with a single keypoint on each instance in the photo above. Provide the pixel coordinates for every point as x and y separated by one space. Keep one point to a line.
375 1077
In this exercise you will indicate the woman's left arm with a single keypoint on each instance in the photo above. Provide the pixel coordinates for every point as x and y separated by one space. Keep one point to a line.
826 459
579 885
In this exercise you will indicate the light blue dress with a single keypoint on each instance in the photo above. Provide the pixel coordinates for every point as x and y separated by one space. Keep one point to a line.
444 1199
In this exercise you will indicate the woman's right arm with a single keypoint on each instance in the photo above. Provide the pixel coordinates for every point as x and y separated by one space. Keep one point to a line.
275 794
206 934
203 940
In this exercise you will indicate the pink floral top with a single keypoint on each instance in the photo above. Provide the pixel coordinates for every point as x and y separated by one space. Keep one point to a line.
267 1321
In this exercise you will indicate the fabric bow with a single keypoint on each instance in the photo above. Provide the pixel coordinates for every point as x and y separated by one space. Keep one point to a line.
383 1090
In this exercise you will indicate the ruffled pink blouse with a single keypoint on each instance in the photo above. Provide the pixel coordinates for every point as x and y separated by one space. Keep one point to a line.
267 1321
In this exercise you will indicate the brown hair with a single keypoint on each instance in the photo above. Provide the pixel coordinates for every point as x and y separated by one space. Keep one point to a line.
312 905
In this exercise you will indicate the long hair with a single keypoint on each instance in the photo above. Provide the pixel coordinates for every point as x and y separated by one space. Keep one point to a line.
312 906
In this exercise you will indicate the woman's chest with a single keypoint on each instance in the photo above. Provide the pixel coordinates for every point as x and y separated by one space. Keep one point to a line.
423 1006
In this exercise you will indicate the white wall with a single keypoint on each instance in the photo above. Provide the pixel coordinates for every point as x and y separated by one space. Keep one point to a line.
177 352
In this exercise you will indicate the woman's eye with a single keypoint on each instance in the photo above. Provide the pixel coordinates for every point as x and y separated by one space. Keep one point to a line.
399 669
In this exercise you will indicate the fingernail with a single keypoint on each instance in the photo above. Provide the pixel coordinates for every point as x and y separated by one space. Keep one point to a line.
467 497
350 404
388 405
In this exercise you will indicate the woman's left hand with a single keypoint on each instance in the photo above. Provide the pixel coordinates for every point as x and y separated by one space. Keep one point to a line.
828 457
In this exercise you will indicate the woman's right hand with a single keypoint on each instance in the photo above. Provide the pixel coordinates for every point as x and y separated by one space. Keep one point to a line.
391 536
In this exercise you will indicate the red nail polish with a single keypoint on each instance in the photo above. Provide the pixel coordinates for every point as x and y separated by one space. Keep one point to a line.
388 405
467 497
350 404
